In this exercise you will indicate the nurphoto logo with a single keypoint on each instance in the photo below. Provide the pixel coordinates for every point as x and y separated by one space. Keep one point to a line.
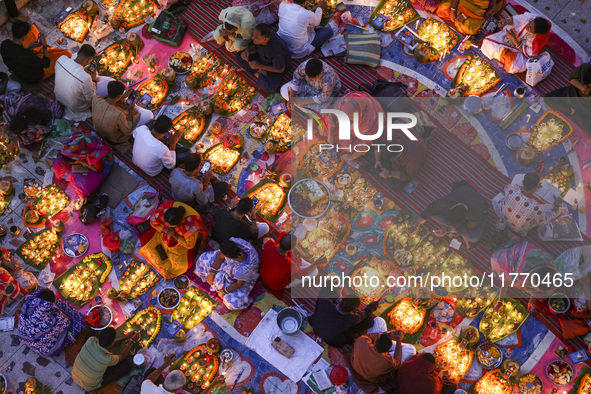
395 122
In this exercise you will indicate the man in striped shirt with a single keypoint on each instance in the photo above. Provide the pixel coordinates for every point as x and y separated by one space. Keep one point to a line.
95 366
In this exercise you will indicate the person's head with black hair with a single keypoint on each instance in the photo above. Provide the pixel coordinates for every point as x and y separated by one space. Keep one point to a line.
299 2
85 55
539 26
349 304
285 243
20 29
261 34
21 121
46 295
173 216
106 337
383 343
456 215
232 251
429 357
192 163
531 182
313 69
244 206
161 126
115 90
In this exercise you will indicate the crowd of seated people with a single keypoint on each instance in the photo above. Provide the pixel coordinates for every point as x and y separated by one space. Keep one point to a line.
176 241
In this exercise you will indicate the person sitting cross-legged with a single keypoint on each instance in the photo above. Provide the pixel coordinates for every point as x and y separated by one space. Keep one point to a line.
76 84
47 325
236 223
314 81
231 271
300 27
150 152
516 43
462 212
27 55
267 59
235 29
155 384
96 367
338 324
178 232
114 119
375 359
190 186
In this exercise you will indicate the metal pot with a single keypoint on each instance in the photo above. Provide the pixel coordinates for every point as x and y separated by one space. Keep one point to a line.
289 320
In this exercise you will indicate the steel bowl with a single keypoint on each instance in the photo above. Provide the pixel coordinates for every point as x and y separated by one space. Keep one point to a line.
290 320
514 142
110 320
566 308
175 305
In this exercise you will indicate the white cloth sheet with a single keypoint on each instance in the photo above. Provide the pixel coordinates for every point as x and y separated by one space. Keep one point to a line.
306 350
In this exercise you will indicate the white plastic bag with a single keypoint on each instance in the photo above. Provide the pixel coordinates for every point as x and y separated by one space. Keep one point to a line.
538 68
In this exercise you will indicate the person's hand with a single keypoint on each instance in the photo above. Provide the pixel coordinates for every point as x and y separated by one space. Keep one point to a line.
384 173
221 294
169 358
440 232
244 55
557 203
396 335
42 40
206 178
452 15
218 380
586 90
210 278
168 231
254 65
378 164
322 4
174 138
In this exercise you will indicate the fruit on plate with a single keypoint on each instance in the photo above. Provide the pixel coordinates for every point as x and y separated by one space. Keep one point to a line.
560 372
181 62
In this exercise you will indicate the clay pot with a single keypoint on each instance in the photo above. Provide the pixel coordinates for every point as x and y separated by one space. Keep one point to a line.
191 81
169 74
216 128
205 107
90 8
133 39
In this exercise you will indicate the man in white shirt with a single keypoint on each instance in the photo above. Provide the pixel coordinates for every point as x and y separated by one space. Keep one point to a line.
150 153
75 85
298 27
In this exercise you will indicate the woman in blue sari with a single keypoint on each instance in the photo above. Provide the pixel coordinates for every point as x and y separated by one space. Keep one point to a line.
231 271
47 325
